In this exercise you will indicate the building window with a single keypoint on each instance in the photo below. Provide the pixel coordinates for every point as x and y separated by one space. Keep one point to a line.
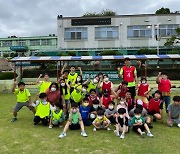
139 31
21 43
34 42
6 43
75 33
107 32
167 30
46 42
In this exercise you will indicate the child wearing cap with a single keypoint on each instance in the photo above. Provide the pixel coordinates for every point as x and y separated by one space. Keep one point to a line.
174 112
23 99
121 123
139 124
110 113
101 121
74 122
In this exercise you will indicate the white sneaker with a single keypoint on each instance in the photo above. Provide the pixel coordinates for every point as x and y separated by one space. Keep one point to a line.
50 126
116 133
62 135
143 134
178 125
108 129
94 129
84 134
122 136
150 134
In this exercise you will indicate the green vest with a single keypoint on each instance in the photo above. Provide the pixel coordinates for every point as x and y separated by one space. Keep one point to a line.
91 86
76 95
67 96
44 86
72 78
43 110
57 116
75 118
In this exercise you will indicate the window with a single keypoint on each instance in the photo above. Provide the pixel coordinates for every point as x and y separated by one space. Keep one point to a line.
21 43
139 31
6 43
75 33
167 30
34 42
46 42
106 32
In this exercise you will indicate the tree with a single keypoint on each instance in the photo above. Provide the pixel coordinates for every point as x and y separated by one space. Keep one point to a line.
163 11
105 12
174 40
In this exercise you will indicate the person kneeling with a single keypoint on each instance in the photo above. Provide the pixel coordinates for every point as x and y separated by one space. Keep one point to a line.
74 122
101 122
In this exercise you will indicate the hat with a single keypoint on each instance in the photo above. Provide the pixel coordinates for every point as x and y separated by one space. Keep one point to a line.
139 102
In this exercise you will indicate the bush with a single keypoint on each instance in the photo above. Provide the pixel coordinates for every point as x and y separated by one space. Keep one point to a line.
7 75
176 51
85 53
72 53
110 52
147 52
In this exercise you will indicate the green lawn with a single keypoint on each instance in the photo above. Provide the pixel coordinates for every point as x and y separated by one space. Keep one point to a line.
23 137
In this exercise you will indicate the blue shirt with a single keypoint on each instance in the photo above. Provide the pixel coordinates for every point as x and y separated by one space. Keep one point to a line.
84 112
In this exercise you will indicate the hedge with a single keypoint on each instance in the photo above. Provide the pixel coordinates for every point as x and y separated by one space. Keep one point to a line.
7 75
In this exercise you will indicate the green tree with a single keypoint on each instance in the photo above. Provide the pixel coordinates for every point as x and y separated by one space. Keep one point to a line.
163 11
105 12
174 39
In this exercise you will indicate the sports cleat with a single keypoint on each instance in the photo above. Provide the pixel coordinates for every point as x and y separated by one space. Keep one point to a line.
62 135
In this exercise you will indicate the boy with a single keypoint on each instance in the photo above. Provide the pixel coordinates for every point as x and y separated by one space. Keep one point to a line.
101 122
42 109
92 96
92 84
121 123
57 116
43 85
139 124
110 113
122 89
74 122
23 99
85 111
174 112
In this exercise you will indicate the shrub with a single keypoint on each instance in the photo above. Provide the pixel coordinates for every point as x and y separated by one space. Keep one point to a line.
7 75
71 53
110 52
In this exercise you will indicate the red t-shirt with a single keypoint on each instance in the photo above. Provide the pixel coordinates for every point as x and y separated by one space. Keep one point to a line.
142 89
164 85
53 97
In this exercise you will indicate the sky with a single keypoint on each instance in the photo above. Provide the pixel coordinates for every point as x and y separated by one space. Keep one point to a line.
39 17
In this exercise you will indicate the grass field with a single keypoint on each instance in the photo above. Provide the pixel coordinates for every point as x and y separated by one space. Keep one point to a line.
22 137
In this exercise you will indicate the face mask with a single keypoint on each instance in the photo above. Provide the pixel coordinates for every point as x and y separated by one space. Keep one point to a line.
137 116
83 90
95 106
121 116
106 95
74 111
106 79
62 84
86 104
44 102
53 89
122 103
95 81
143 82
99 117
111 107
78 79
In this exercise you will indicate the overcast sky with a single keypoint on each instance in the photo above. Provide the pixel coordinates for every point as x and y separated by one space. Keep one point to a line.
38 17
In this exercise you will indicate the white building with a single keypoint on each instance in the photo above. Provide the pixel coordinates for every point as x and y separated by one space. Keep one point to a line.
123 33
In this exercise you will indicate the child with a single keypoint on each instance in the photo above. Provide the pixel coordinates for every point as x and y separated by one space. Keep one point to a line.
123 104
92 84
155 106
122 89
139 124
42 109
74 122
129 100
121 123
57 116
101 122
92 96
110 113
143 90
23 99
174 112
85 111
43 85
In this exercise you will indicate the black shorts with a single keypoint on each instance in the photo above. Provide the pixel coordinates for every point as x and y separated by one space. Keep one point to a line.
135 128
152 113
74 126
132 90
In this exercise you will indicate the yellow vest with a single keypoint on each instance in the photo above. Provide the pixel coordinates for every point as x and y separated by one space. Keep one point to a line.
76 95
91 86
67 96
57 116
72 79
43 110
44 86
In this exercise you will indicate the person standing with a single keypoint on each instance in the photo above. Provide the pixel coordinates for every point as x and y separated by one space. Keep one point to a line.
129 74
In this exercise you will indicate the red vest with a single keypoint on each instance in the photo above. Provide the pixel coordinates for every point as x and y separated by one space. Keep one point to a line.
130 103
105 101
142 89
107 86
154 106
128 73
91 100
164 85
123 91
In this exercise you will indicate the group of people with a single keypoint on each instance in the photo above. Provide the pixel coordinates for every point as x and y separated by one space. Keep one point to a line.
97 102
